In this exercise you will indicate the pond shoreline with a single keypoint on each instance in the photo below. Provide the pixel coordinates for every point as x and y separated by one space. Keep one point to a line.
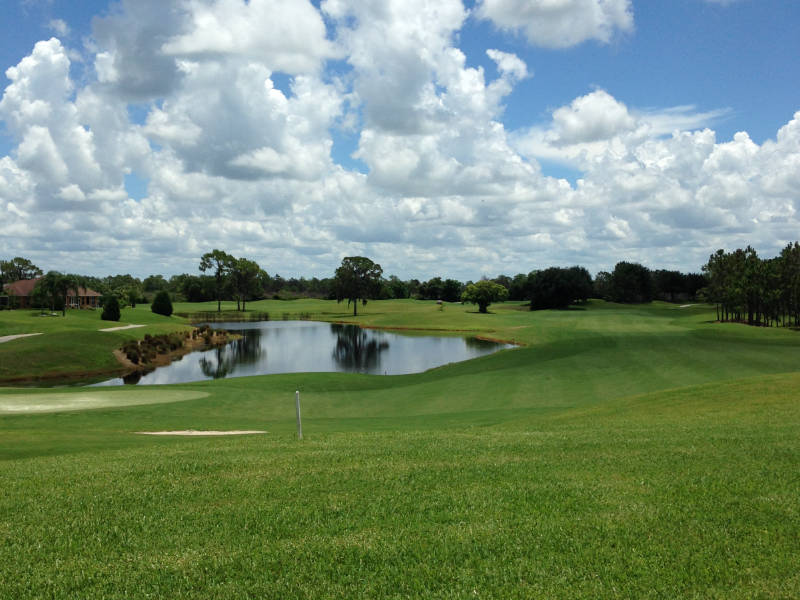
190 344
126 367
244 317
273 347
458 332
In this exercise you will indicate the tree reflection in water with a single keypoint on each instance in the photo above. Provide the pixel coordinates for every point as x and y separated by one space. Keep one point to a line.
356 349
479 344
132 378
246 350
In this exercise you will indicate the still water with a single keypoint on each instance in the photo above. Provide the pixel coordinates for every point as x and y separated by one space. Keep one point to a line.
269 347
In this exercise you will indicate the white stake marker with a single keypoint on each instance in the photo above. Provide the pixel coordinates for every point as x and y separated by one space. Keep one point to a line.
297 406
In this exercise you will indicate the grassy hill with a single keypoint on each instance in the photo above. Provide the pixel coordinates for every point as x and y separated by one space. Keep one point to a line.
621 452
71 346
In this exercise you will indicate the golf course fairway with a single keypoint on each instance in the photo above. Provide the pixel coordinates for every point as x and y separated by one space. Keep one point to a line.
637 451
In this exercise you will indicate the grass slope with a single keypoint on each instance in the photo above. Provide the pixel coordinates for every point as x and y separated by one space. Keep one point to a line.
623 452
73 345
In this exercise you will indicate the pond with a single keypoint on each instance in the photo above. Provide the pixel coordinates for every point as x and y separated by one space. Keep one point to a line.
270 347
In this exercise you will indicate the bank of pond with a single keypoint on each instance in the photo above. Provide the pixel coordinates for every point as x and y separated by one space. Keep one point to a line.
272 347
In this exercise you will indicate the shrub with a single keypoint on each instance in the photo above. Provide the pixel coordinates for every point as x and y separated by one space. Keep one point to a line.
110 309
131 350
162 305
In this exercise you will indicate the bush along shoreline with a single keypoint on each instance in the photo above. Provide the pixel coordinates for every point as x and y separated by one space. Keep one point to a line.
158 350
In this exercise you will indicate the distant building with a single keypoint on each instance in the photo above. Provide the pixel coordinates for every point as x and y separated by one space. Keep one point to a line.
85 298
20 292
19 295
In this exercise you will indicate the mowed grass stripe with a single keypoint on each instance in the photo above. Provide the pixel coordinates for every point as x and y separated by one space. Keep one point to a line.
632 507
623 452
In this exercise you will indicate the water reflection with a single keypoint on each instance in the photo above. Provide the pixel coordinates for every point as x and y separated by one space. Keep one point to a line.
224 360
217 365
132 378
356 350
306 346
479 344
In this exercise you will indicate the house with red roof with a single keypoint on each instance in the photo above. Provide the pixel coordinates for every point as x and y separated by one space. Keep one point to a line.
19 295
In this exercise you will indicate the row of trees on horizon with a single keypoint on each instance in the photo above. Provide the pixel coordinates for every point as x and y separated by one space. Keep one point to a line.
743 286
747 288
224 277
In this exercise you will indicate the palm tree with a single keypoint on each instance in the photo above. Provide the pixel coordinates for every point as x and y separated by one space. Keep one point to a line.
54 286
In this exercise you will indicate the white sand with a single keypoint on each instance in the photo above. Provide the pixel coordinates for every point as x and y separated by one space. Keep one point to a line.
121 328
193 432
686 305
8 338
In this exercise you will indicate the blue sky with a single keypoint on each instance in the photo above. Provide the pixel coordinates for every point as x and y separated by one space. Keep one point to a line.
454 161
743 56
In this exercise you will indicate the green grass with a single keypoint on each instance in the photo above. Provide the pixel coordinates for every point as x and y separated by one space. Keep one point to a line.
71 346
622 452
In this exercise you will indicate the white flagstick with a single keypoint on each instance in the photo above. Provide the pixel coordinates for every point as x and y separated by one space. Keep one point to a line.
297 405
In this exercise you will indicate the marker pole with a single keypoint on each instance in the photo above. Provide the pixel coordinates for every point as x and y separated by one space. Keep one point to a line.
297 406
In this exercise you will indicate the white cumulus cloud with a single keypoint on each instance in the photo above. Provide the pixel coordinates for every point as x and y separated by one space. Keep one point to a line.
560 23
231 116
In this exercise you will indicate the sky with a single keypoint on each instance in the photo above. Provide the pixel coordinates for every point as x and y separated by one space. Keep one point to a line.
452 138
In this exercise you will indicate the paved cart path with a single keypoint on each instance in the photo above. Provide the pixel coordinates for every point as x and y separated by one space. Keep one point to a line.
121 328
8 338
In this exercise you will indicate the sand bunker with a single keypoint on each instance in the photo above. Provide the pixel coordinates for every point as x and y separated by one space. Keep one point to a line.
8 338
34 403
193 432
121 328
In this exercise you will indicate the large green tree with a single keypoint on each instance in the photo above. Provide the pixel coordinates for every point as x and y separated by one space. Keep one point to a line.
397 287
558 287
17 269
55 287
483 293
244 279
358 278
153 283
631 283
220 264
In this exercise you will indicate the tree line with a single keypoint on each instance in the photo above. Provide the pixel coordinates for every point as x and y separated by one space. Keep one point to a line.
222 276
749 289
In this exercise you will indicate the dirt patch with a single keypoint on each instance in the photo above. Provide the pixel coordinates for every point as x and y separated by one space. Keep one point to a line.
124 361
8 338
193 432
